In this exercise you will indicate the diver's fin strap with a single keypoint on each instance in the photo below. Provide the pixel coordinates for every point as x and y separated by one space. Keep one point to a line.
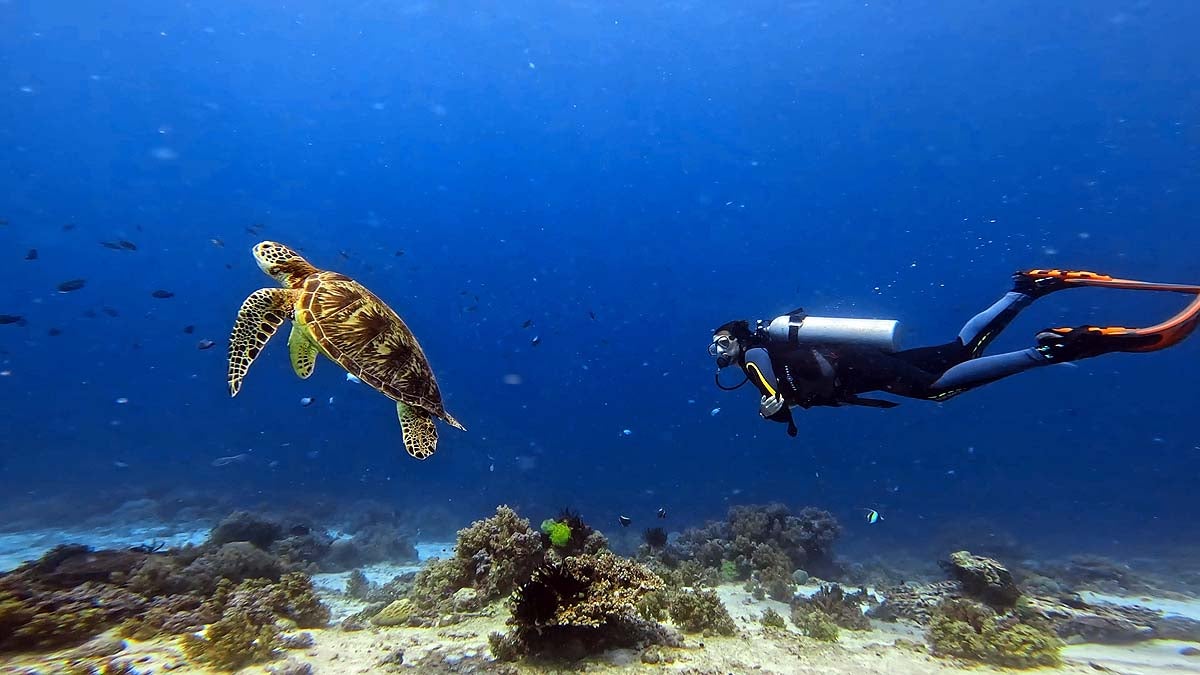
1152 338
1084 278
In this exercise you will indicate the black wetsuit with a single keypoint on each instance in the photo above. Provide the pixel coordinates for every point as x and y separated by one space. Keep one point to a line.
815 374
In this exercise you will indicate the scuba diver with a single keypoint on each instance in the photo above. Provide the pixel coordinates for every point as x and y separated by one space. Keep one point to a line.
806 361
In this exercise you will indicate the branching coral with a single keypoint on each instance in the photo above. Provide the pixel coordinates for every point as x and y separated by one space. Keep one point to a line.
700 611
588 600
972 630
842 608
235 640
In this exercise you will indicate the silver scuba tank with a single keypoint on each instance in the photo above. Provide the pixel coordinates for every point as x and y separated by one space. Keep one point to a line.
882 334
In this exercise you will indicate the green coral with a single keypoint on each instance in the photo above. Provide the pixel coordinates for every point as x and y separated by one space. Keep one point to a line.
816 624
729 571
972 631
559 532
235 640
700 611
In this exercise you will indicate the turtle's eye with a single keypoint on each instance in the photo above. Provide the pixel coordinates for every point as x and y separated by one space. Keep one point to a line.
273 270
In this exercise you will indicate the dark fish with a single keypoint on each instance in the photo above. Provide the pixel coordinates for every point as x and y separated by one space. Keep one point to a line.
344 255
399 252
624 520
662 513
162 295
32 254
3 222
535 341
228 266
53 332
68 227
72 285
111 245
127 245
90 313
110 311
6 319
472 308
189 329
592 314
205 344
527 323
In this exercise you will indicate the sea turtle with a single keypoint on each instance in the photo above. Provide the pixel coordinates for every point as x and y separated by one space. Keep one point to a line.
338 317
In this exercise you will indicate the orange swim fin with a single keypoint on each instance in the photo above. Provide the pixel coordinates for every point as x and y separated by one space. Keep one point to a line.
1071 278
1095 340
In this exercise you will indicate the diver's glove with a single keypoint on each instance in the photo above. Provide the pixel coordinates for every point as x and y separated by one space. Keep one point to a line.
769 406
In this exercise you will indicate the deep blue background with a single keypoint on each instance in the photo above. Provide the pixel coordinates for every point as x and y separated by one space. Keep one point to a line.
667 167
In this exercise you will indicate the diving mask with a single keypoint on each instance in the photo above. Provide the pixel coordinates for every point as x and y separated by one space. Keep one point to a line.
723 348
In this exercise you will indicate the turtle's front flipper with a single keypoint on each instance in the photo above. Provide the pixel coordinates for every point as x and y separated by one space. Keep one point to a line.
260 316
303 353
420 435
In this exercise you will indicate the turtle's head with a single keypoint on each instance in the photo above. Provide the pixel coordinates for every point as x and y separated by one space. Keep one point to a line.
282 263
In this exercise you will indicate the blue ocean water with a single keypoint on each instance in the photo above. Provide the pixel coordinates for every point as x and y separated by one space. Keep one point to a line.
627 176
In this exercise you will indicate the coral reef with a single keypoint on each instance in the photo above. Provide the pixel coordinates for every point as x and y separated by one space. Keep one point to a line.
235 640
767 542
772 619
983 578
699 611
395 613
492 556
816 624
580 605
844 609
971 630
371 543
72 593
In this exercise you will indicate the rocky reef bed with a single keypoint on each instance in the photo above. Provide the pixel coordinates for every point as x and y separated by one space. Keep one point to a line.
262 595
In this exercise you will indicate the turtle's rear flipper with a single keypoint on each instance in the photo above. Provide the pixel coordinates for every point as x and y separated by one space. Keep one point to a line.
420 435
303 353
260 316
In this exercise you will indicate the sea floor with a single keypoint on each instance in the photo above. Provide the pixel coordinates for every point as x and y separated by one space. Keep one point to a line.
462 647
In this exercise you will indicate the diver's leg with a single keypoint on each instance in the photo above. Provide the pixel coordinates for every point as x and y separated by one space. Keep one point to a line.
982 370
979 332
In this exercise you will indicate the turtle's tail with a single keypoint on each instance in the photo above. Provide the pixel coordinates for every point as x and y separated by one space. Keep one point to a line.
449 419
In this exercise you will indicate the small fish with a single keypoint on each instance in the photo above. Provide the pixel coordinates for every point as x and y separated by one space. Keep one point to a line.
627 432
662 513
535 341
873 516
592 314
6 319
162 295
232 459
205 344
72 285
345 256
714 412
306 401
90 313
122 400
111 245
31 254
350 377
624 520
189 329
3 222
121 465
53 332
217 242
68 227
527 323
110 311
399 252
127 245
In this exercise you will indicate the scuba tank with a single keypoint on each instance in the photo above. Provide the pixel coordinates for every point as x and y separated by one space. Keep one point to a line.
799 328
